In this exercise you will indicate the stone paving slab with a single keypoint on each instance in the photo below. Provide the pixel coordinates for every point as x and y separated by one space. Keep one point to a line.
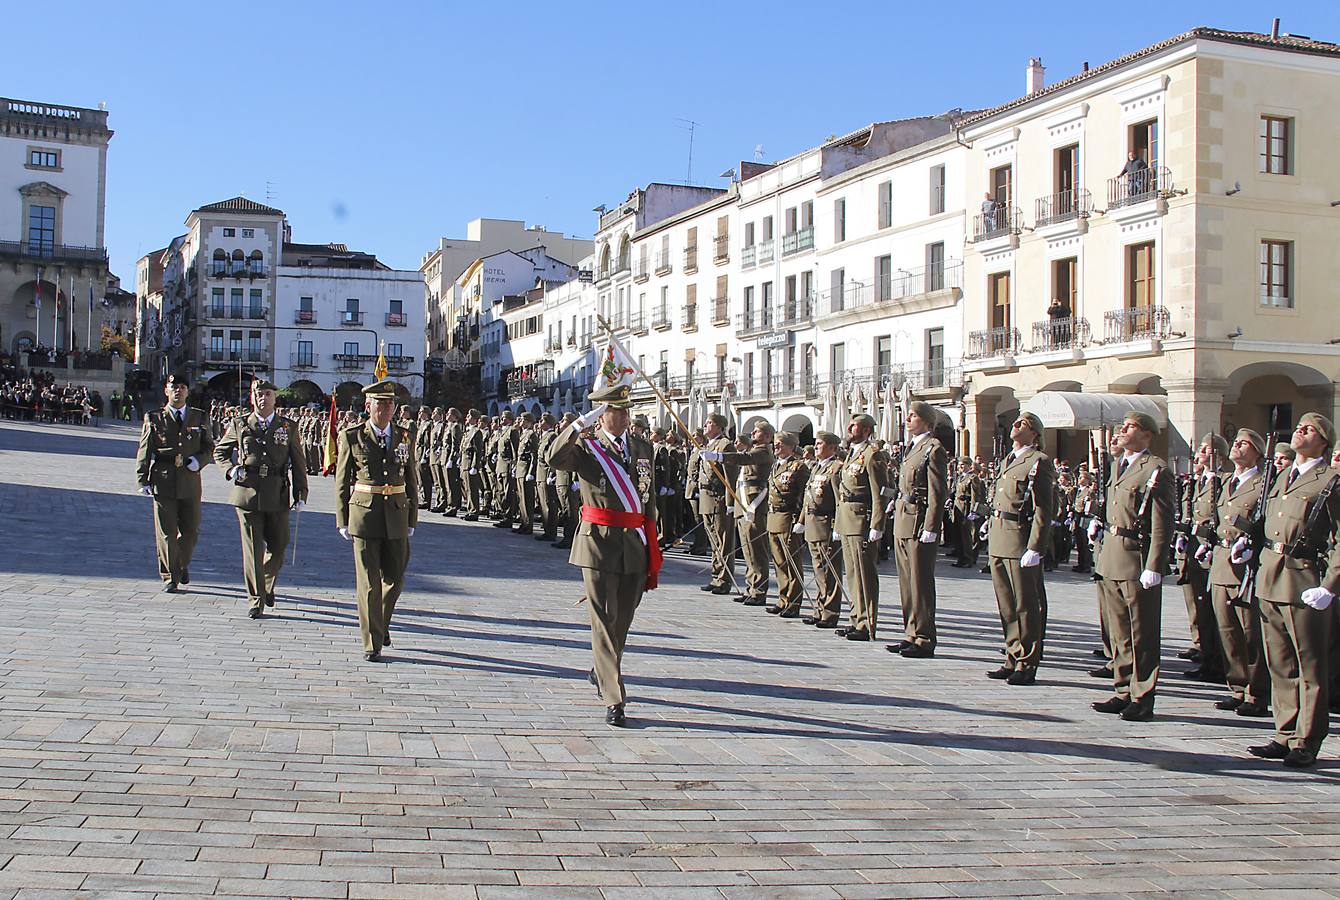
155 745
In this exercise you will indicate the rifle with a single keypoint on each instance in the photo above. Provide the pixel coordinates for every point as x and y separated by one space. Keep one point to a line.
1256 523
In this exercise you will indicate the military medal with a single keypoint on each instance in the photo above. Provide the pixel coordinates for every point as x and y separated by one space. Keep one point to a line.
644 476
281 437
402 453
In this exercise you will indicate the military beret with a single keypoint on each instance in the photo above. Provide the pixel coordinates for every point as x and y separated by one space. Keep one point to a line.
548 419
1285 449
1322 424
1033 421
527 418
828 437
788 438
965 460
1258 443
1217 442
641 421
569 417
864 419
384 388
719 419
261 384
506 414
615 396
177 377
765 428
924 411
1143 421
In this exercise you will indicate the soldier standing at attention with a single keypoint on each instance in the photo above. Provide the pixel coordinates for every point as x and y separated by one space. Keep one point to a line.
546 480
861 520
916 530
449 461
505 472
969 495
376 480
423 428
714 504
525 468
566 487
1021 519
1132 560
751 489
616 546
472 463
261 454
816 524
175 445
1296 584
786 493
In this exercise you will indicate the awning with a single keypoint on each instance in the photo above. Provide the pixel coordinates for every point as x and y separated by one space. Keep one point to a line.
1087 412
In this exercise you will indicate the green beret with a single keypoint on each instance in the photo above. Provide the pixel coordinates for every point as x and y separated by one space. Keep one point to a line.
869 421
615 397
260 384
828 437
1033 421
1143 421
1322 424
924 411
1217 443
788 438
548 419
1285 448
641 421
383 388
719 419
765 428
1258 443
527 418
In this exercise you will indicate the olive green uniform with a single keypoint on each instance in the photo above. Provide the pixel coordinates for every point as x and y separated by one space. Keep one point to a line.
751 491
786 492
816 513
920 507
1023 503
168 442
1239 627
860 510
714 508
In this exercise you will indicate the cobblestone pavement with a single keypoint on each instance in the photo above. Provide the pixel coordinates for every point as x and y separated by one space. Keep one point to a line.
155 744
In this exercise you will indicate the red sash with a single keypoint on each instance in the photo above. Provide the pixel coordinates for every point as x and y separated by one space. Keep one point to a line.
618 519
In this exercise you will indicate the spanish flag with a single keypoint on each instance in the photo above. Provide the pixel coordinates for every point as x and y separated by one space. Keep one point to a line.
381 368
332 439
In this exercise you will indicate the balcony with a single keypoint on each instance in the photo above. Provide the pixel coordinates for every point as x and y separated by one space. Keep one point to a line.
1001 222
690 260
253 313
1140 186
689 319
554 345
396 320
399 363
749 257
236 269
721 248
586 341
798 313
1061 334
641 270
783 386
720 310
522 383
753 322
767 250
302 360
1137 323
637 322
45 253
351 317
304 317
1003 341
798 241
663 266
660 319
354 362
216 358
621 265
904 291
1062 207
619 321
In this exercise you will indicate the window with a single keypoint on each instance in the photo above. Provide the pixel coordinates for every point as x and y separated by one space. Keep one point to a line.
1002 184
765 305
935 267
1276 274
256 263
41 158
885 204
883 356
749 307
219 265
216 344
998 293
935 357
806 285
41 230
235 303
216 303
807 214
837 359
234 345
937 189
839 220
883 278
256 311
1144 140
305 356
789 221
305 304
1275 149
230 232
248 232
394 351
837 285
1140 282
351 348
767 228
397 307
1064 283
749 234
253 345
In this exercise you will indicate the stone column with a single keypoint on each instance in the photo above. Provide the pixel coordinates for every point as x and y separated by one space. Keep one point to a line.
979 421
1195 407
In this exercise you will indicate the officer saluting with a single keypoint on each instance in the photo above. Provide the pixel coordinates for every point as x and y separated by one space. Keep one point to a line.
175 445
262 456
376 489
616 546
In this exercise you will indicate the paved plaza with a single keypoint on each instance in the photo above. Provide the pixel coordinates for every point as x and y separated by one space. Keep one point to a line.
156 744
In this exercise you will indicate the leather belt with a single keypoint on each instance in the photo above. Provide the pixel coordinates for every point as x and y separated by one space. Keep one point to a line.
1007 516
1131 533
385 490
1291 551
855 498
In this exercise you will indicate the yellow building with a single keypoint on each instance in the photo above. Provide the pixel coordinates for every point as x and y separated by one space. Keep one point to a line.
1183 205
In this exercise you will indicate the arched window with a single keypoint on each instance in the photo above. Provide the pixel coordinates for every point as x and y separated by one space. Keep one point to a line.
625 254
605 260
219 265
256 263
239 263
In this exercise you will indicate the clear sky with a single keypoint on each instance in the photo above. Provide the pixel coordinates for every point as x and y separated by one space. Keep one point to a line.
388 125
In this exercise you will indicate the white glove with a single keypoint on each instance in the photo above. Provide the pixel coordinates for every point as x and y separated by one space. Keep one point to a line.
1030 559
530 477
1241 551
1181 543
891 508
711 455
586 420
474 471
973 517
344 533
552 479
299 505
798 528
1204 554
874 535
1150 579
232 473
576 486
1318 597
147 491
837 538
730 510
1095 529
193 464
411 532
929 537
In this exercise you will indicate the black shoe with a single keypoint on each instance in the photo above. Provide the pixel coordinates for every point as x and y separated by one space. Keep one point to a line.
438 509
1190 653
810 620
386 642
1201 673
832 624
1253 710
1099 653
791 613
169 587
1138 712
185 576
1083 570
1272 750
1111 705
255 612
614 716
917 651
1299 758
722 589
1001 674
270 599
709 587
842 630
1101 672
962 565
1228 703
755 601
547 536
857 635
503 523
525 531
773 609
469 517
374 656
1022 677
451 513
985 570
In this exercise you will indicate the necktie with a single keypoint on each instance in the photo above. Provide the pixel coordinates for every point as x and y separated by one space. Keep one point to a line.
1121 469
1233 485
1293 475
623 453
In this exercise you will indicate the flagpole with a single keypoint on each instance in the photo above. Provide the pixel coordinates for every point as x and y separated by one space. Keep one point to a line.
55 322
72 332
88 338
37 301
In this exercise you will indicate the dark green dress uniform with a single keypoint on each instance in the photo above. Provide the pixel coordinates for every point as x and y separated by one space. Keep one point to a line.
504 475
816 514
525 469
1023 504
751 519
969 495
376 483
449 457
546 483
713 507
1139 527
860 510
1239 627
920 507
264 461
1196 589
169 440
786 494
472 458
614 559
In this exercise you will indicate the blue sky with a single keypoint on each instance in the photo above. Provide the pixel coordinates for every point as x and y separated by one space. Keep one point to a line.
387 132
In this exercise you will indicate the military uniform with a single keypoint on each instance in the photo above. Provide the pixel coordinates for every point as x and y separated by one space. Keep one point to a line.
1202 503
786 495
546 482
751 491
969 495
504 474
269 475
920 508
472 459
861 510
169 441
376 481
1239 628
449 457
670 477
816 514
525 469
714 507
435 438
1023 503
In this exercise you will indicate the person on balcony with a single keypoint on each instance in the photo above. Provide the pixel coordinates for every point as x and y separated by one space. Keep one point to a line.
1136 173
1058 331
991 210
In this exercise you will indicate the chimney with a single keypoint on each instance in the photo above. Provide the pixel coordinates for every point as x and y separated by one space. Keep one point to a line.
1275 29
1034 74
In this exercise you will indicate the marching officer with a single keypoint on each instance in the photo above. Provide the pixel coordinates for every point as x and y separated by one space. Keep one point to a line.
751 491
472 457
816 524
1296 583
616 546
1245 669
861 522
714 504
376 481
175 444
1201 504
261 454
1023 504
916 530
1132 559
786 494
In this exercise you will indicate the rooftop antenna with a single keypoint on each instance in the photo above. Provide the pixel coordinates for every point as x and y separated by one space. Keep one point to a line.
758 153
269 193
689 125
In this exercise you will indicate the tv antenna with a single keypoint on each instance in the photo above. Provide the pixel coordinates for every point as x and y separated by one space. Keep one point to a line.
269 193
688 125
758 153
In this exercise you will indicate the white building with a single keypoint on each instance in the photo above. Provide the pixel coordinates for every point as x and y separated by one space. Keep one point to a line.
53 167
